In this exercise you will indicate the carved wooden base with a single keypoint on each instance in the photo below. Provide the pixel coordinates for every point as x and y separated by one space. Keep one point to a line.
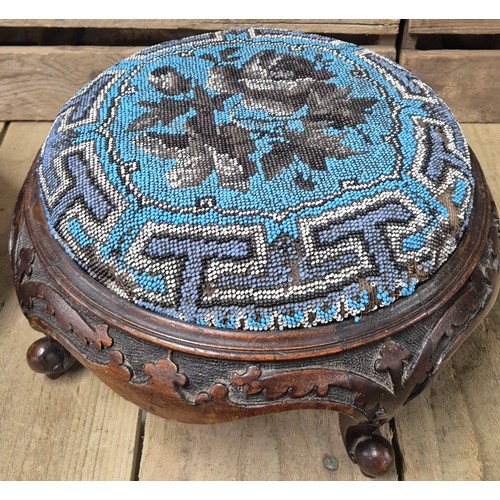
366 370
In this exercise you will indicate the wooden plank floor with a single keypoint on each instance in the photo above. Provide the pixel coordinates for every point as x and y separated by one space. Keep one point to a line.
75 428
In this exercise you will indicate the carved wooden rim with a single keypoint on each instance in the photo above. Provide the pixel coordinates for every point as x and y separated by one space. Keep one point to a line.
91 296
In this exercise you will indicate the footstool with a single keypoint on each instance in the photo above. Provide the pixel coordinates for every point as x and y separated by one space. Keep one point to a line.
253 221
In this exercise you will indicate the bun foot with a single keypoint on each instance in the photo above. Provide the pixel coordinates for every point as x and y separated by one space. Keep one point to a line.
370 451
49 357
374 455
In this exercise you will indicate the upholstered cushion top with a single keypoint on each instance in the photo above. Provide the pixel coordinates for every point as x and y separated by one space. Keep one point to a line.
257 180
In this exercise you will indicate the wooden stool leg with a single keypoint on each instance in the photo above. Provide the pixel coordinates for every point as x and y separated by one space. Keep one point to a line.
371 451
47 356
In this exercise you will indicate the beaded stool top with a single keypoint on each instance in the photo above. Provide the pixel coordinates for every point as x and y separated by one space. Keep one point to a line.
257 180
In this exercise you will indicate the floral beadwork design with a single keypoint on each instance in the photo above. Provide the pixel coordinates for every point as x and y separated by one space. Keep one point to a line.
279 85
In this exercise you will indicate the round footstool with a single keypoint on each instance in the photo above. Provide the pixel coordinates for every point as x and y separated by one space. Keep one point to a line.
248 222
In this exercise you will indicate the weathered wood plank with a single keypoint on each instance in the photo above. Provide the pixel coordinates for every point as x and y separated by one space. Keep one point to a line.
73 428
351 26
485 141
454 26
436 434
467 80
288 446
37 81
452 430
388 51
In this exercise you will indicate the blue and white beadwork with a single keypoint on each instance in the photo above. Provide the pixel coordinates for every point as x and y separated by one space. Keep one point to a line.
257 180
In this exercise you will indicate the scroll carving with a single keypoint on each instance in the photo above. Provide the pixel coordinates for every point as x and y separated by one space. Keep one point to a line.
312 382
67 318
295 384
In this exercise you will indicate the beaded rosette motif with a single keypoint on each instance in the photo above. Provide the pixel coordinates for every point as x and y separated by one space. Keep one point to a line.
257 180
